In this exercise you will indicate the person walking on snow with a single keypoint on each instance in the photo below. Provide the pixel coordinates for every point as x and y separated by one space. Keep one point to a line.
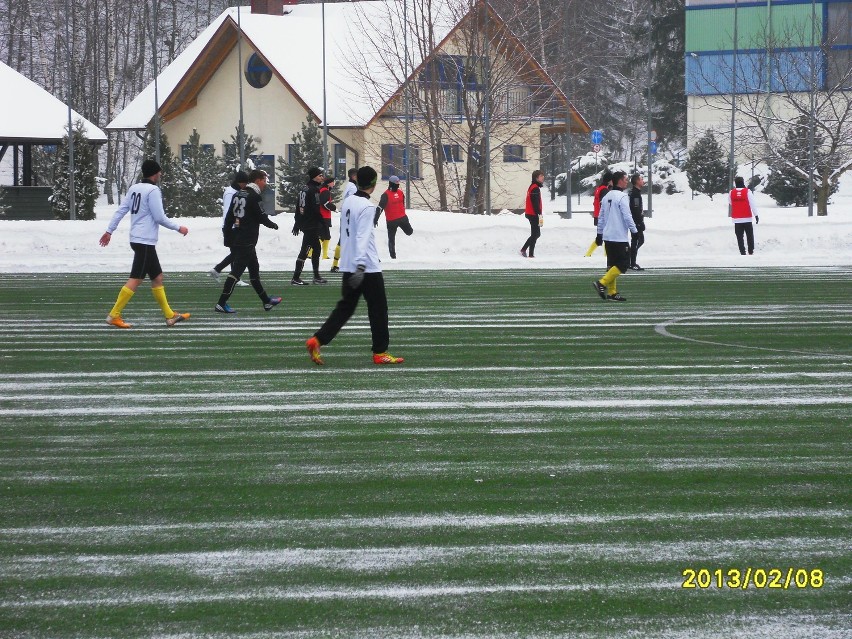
613 223
600 192
534 213
362 275
743 210
144 202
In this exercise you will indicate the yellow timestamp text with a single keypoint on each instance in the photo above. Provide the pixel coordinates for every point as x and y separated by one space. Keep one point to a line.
749 577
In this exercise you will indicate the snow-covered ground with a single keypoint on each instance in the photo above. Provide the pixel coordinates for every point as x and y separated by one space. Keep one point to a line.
682 232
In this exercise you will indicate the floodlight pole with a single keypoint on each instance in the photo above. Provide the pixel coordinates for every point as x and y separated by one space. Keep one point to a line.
407 105
650 114
241 133
812 123
732 169
72 204
568 149
487 112
154 30
324 103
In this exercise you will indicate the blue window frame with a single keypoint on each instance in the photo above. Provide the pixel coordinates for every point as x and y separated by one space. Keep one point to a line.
452 153
205 148
393 161
513 153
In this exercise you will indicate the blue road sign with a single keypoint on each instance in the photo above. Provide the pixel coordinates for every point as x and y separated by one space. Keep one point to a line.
597 136
652 147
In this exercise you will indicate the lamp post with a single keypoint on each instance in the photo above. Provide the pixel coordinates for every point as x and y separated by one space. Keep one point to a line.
154 30
486 64
242 127
732 170
72 204
406 104
568 149
650 122
812 123
324 102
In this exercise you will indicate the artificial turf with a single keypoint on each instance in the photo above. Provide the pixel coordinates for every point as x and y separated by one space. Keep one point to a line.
544 463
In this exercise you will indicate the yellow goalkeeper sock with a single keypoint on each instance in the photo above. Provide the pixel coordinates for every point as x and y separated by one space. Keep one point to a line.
310 254
336 255
325 249
159 294
608 280
124 296
592 248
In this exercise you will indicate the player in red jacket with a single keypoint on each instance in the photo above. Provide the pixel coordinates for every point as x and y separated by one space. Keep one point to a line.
533 212
392 203
743 211
601 191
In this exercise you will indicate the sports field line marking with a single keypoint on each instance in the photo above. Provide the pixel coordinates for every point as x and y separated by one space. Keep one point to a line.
662 329
368 405
420 522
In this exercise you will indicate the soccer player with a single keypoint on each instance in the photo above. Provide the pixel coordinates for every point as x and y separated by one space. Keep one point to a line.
309 222
351 187
362 275
144 202
533 213
392 203
326 209
243 221
636 239
613 223
743 209
239 183
600 192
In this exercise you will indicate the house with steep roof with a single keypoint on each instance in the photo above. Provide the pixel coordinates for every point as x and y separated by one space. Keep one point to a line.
272 55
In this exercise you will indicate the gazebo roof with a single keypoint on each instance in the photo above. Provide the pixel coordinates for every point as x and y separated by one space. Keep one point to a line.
32 115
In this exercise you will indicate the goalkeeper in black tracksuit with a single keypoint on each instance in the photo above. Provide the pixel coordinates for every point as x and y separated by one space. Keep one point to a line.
309 221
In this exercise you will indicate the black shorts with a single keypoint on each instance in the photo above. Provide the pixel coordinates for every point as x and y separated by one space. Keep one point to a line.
145 262
618 255
325 230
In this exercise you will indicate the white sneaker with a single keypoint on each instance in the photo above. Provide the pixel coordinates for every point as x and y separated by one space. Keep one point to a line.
241 283
214 274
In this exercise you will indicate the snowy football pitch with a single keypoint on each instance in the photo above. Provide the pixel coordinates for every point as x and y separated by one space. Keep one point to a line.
544 464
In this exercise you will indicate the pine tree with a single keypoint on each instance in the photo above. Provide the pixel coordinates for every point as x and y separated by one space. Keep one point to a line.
203 177
170 180
785 184
85 178
232 155
706 166
307 152
4 208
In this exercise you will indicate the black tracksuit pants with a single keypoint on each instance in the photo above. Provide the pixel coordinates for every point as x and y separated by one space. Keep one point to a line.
310 240
401 223
373 290
745 228
535 233
245 257
636 241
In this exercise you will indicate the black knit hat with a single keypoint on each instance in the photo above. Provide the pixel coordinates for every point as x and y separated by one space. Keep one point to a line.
367 177
314 171
150 168
241 177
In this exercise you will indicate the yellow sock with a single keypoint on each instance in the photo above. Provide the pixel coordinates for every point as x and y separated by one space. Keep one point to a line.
325 249
159 294
608 280
592 249
336 255
310 254
124 296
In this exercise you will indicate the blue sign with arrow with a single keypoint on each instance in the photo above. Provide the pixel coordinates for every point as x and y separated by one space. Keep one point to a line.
597 136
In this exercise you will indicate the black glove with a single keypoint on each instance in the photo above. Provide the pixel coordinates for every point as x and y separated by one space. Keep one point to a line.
757 219
357 278
274 226
599 240
296 229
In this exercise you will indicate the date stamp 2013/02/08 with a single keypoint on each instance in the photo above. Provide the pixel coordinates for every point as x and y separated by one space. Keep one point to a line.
749 577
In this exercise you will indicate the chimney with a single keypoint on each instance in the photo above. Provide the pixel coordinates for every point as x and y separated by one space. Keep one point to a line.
270 7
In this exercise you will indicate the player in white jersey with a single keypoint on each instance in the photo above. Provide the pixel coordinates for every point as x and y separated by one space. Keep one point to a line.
351 187
362 274
144 202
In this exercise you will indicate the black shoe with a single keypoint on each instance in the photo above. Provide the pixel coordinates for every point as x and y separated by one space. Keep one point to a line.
600 288
335 269
616 298
636 267
320 280
297 282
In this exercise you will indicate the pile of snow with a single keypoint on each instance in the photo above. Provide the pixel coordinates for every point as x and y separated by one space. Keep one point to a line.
682 232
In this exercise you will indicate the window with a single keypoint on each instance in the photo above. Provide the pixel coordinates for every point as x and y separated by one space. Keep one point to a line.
394 161
258 74
839 30
513 153
265 163
229 150
839 68
292 151
452 153
339 162
186 150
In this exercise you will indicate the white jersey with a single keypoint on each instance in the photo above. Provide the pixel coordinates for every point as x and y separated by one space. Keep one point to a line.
357 242
144 201
350 190
615 218
227 196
